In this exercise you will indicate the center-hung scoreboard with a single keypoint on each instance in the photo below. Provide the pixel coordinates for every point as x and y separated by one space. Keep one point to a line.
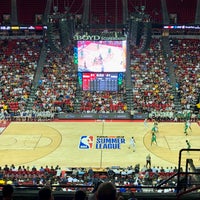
101 62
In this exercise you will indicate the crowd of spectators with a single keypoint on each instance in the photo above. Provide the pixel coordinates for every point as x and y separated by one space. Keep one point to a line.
57 86
153 92
103 102
151 87
69 179
18 62
185 56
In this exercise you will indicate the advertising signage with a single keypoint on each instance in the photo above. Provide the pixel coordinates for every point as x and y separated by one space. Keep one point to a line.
95 37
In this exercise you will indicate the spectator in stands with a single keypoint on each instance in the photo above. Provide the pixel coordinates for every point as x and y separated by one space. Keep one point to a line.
107 191
111 173
90 173
80 195
45 193
132 197
96 186
7 192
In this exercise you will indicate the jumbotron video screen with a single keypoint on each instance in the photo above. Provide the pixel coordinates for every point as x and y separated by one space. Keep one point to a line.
101 64
101 56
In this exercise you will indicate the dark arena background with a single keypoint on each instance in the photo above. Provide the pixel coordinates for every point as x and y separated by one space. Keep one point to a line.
100 91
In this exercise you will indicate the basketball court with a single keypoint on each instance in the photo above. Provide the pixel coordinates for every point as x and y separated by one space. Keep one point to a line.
61 143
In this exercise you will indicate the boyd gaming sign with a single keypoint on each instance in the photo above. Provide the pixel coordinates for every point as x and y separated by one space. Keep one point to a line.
107 37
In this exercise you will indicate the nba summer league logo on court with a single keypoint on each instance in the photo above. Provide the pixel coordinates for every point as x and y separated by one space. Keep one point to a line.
86 142
102 142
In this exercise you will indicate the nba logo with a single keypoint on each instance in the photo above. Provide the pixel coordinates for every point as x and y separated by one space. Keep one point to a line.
86 142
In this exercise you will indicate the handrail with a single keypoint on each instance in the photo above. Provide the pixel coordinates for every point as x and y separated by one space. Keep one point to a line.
159 185
179 167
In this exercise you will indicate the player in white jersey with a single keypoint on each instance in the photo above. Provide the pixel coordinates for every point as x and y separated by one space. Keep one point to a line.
132 144
189 125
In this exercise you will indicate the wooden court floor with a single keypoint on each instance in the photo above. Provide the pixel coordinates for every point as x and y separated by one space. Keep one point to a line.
58 143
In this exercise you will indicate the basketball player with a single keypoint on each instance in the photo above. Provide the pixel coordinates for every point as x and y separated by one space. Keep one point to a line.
189 125
145 123
132 144
186 128
188 144
153 138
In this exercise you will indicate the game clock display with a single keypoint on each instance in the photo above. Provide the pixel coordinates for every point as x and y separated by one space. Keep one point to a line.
100 81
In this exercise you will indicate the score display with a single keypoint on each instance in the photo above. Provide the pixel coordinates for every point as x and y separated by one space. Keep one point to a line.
100 81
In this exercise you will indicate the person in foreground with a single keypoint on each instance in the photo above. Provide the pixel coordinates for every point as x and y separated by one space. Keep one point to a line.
45 193
107 191
80 195
7 192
